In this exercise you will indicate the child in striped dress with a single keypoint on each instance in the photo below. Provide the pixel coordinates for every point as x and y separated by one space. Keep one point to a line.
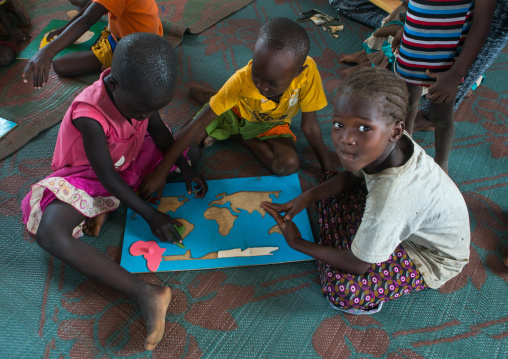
431 41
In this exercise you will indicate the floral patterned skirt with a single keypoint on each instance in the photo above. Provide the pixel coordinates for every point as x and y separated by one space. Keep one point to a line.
80 187
340 218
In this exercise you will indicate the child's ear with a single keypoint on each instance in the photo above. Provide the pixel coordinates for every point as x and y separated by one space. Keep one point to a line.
112 82
397 131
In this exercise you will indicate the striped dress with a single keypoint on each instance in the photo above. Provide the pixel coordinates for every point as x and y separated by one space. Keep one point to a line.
434 33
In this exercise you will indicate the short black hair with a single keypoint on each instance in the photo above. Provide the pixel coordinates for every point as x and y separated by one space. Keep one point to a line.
145 63
387 91
281 33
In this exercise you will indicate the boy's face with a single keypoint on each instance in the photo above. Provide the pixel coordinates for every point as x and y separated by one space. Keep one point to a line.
273 71
361 138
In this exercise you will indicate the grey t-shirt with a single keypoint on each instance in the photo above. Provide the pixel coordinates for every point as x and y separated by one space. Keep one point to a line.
418 205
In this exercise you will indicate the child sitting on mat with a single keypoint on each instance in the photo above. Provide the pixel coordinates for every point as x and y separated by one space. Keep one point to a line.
393 222
124 18
110 138
259 101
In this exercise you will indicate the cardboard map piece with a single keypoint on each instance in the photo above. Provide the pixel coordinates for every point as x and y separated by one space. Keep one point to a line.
227 221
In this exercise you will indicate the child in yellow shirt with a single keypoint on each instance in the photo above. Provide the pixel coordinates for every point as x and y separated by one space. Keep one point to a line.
259 101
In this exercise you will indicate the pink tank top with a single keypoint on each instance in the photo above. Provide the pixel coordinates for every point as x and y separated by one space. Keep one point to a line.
123 138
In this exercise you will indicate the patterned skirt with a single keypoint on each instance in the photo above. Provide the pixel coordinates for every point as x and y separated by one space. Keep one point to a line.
340 218
80 187
434 33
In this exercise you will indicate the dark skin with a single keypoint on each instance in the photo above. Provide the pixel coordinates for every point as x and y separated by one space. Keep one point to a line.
272 73
59 219
362 141
443 92
70 65
17 34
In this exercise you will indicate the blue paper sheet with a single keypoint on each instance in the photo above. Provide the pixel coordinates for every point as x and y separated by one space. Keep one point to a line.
249 230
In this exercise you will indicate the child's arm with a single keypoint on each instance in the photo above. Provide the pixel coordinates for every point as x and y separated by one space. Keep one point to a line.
342 259
185 137
337 184
164 140
39 65
312 132
446 85
57 32
97 153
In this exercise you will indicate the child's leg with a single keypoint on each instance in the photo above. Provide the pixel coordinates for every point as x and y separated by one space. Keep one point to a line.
278 154
441 116
415 92
201 94
54 235
7 54
76 64
340 218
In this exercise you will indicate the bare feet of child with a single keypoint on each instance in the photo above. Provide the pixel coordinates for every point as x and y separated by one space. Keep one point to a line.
354 58
154 305
92 226
209 141
422 123
201 94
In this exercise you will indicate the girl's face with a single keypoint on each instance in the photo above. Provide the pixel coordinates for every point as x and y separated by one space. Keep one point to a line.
361 138
131 105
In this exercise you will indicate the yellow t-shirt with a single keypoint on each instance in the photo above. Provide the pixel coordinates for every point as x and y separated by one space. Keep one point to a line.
305 92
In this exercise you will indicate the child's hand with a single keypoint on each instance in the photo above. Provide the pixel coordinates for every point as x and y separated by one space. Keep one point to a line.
54 33
397 39
287 227
445 88
201 187
291 208
38 67
153 182
163 227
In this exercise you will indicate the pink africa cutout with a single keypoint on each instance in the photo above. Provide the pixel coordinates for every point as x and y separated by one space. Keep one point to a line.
151 251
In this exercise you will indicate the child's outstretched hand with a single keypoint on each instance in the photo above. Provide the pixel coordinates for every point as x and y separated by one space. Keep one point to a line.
163 227
291 208
287 227
201 187
445 88
38 67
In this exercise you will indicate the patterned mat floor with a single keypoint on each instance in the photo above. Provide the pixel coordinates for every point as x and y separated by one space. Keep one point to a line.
277 311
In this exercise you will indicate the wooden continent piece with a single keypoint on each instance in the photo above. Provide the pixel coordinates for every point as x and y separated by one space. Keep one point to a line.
247 200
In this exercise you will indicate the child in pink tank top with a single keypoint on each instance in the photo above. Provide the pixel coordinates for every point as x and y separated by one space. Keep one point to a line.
110 143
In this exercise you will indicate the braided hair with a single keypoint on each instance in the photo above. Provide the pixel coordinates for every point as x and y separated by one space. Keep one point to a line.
145 63
383 87
283 34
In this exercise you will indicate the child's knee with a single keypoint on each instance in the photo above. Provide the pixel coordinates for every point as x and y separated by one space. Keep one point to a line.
59 67
286 165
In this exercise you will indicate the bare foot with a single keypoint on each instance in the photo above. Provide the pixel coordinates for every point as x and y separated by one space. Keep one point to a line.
422 123
154 305
201 94
93 225
354 58
209 141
